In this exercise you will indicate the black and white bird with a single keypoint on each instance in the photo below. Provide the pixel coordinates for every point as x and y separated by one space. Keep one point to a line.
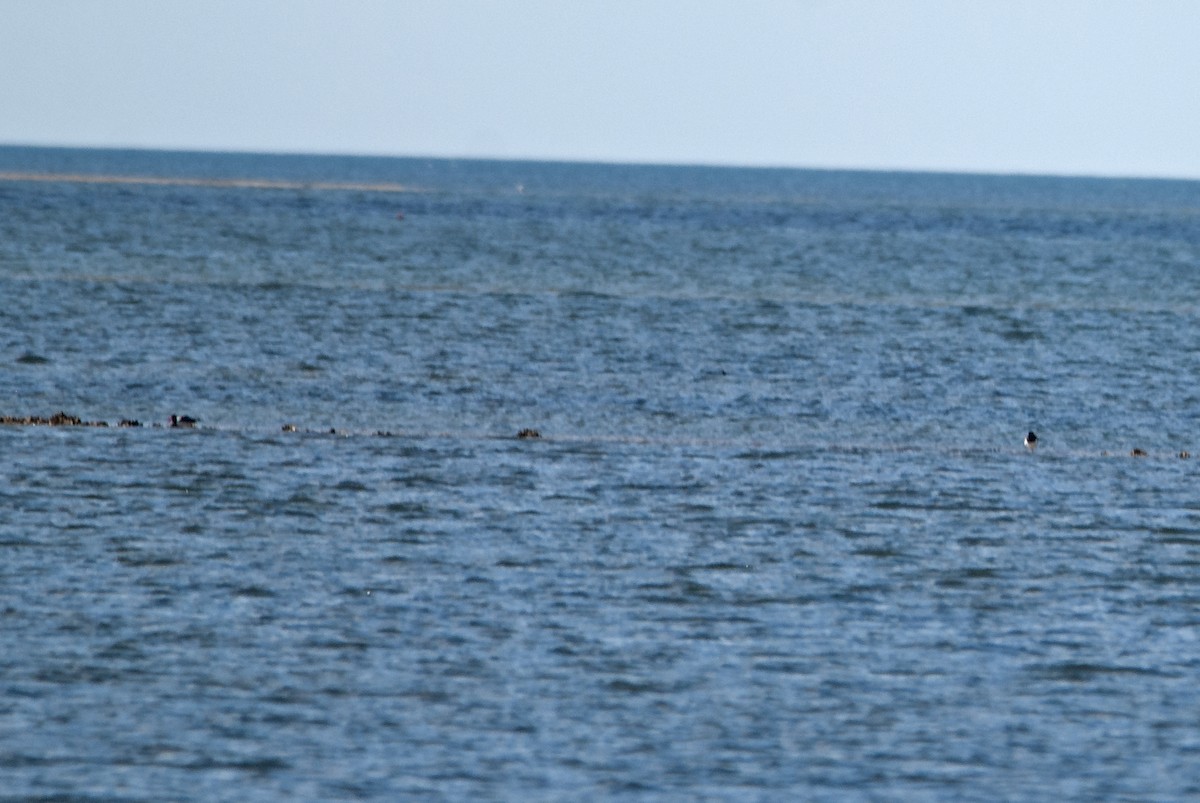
1031 441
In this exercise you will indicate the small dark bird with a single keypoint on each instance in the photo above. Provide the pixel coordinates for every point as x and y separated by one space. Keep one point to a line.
182 421
1031 441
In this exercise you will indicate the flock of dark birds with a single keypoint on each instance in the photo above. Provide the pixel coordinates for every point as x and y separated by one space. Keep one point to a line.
61 419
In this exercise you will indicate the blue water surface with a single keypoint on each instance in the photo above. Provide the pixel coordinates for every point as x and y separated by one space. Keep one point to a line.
779 538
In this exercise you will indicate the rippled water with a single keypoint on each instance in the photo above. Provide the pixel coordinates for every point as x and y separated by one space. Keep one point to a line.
779 540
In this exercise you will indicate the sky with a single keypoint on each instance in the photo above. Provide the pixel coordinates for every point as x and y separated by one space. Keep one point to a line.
1066 87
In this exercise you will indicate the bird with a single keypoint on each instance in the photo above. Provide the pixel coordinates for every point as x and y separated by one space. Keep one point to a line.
181 421
1031 441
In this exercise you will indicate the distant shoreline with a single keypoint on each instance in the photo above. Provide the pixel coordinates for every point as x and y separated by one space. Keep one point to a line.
240 183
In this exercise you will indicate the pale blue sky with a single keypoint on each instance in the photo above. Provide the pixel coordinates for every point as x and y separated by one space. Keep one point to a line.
1105 87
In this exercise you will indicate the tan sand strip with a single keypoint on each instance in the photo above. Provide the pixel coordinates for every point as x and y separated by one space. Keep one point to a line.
240 183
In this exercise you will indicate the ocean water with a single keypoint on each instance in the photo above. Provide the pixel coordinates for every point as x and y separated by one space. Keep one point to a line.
779 540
